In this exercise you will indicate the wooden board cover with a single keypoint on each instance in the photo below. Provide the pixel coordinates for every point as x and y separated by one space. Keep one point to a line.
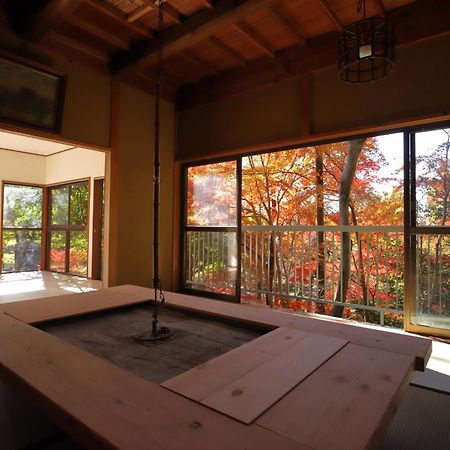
347 404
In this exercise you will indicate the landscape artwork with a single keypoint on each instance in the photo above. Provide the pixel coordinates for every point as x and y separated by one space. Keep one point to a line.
29 96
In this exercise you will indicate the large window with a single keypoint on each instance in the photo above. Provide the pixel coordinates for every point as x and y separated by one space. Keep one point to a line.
67 228
22 228
327 228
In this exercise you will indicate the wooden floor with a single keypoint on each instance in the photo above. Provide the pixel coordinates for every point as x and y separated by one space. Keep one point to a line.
276 392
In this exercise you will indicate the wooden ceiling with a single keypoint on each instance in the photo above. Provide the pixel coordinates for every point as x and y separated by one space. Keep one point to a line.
212 48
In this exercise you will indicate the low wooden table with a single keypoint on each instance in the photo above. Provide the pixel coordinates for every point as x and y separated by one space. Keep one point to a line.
308 384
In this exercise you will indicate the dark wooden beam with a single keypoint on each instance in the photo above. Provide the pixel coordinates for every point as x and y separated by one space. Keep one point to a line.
95 30
139 12
413 22
33 20
190 31
287 26
227 51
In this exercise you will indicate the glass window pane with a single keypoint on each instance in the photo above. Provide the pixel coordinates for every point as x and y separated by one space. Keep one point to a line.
57 252
212 195
79 204
432 177
21 250
211 261
78 256
60 206
22 206
433 281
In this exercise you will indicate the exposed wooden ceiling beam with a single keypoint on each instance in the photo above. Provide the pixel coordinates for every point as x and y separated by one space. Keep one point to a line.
192 30
139 12
91 51
117 16
379 8
255 38
318 54
33 20
287 26
207 3
227 51
98 32
330 14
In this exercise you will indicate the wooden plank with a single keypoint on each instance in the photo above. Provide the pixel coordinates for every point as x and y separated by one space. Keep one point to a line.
103 406
192 30
248 397
204 380
347 403
63 306
32 22
357 333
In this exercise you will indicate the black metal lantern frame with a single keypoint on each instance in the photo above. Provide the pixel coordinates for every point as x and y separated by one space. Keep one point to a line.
366 50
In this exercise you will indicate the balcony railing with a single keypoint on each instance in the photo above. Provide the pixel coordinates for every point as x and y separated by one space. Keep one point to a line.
300 267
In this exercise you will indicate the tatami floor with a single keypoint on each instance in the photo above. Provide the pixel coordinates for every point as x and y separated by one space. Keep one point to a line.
30 285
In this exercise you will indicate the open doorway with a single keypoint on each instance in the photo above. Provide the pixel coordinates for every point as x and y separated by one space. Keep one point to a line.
51 218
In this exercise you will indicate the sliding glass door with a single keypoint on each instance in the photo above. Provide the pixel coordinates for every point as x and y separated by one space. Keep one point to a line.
428 232
67 242
212 230
22 228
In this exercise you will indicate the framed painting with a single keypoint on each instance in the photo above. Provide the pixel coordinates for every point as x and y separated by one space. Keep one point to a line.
30 96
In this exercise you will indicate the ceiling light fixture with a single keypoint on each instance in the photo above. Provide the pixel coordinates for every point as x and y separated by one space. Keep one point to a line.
366 49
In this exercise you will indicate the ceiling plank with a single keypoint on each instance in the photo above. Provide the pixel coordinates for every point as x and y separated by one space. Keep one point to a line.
207 3
330 14
255 38
192 30
379 8
228 51
33 20
287 26
98 32
116 15
200 62
318 54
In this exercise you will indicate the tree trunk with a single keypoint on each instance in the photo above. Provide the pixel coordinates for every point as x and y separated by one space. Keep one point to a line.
345 186
320 307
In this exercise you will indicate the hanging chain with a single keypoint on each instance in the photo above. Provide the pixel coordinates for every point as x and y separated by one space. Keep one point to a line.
361 5
160 64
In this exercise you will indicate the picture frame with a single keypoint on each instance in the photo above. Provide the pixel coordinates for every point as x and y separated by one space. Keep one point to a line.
30 95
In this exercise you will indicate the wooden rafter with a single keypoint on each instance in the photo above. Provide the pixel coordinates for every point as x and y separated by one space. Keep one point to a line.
72 43
33 21
98 32
192 30
287 26
114 14
207 3
139 12
228 51
379 8
255 38
318 54
330 14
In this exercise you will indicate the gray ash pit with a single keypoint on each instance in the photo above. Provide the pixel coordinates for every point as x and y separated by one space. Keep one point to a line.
112 336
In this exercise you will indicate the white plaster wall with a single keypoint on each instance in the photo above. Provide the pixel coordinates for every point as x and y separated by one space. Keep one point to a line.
75 164
22 167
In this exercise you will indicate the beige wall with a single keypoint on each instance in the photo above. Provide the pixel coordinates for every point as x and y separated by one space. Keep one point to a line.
418 86
135 198
262 115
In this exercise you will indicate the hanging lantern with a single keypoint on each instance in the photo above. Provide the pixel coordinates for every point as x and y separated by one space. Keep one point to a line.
366 50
